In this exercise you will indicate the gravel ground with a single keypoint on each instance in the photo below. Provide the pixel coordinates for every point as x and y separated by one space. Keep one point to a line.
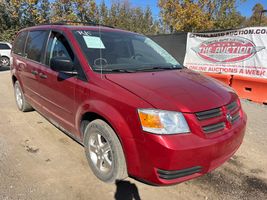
38 161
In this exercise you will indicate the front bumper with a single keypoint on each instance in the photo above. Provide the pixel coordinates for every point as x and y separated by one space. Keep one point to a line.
172 159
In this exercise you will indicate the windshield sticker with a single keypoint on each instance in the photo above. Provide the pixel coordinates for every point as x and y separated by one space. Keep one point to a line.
82 33
93 42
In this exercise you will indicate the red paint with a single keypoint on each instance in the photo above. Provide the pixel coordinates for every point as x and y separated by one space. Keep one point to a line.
116 98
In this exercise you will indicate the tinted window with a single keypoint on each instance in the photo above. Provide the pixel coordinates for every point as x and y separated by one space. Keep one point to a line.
121 50
35 45
58 46
4 46
19 43
144 50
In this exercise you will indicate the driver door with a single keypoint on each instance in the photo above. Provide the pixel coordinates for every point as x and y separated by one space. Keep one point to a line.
57 89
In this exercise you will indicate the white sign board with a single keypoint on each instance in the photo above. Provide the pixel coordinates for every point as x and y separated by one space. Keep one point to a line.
93 42
235 52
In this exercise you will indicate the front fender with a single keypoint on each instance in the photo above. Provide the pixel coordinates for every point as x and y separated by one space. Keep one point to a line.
121 127
109 113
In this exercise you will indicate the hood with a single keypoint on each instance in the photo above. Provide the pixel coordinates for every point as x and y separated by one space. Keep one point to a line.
178 90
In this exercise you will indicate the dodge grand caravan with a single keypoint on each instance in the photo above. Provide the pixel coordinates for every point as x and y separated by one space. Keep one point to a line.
133 107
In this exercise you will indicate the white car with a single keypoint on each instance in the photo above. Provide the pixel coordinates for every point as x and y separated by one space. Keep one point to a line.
5 52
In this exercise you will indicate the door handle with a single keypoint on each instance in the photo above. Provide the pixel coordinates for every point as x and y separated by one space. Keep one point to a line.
34 72
43 76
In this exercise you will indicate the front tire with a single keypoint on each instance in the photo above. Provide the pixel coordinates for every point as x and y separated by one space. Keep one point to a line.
21 102
104 152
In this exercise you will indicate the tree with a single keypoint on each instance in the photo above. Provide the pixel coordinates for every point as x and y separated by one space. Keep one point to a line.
9 19
184 15
224 13
122 15
103 13
257 18
85 10
18 14
15 11
44 11
63 10
5 21
29 10
200 15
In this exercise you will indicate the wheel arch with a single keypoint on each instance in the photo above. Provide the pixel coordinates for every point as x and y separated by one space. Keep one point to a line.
5 56
97 109
88 117
102 110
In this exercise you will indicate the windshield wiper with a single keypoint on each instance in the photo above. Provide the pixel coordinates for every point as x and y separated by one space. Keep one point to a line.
140 68
169 67
115 70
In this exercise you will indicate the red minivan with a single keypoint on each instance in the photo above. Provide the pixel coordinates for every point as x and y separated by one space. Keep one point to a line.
136 110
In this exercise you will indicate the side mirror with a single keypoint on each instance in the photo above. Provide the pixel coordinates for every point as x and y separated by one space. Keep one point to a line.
61 64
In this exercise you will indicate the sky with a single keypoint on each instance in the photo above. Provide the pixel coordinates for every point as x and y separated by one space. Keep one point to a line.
244 8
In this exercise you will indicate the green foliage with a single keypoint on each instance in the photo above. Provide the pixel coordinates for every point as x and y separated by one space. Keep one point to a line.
176 15
9 20
257 18
200 15
8 35
122 15
185 15
225 15
17 14
62 10
86 10
44 11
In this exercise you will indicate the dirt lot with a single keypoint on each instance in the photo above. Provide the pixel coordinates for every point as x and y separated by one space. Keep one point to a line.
37 161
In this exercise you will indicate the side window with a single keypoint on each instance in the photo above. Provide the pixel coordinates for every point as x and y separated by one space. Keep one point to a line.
19 43
58 46
4 46
35 45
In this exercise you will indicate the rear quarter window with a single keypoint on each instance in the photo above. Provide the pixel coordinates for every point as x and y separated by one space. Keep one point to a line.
36 43
19 43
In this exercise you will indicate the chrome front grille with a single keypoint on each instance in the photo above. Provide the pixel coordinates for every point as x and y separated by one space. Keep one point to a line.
215 120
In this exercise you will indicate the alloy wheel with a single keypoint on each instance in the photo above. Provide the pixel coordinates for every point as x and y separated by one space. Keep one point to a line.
18 95
4 62
100 153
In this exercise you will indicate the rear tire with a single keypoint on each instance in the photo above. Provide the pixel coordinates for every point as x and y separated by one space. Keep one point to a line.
21 102
104 152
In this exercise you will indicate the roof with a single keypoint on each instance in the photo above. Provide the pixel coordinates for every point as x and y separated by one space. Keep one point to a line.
75 27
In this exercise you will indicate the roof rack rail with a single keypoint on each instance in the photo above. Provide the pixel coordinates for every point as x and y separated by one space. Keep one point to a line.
91 23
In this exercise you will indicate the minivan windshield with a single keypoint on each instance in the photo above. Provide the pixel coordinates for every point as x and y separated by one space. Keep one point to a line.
108 51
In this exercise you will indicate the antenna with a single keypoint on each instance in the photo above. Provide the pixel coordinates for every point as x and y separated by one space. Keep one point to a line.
100 53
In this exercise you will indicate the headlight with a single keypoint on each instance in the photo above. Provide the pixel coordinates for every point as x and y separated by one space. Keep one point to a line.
162 122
